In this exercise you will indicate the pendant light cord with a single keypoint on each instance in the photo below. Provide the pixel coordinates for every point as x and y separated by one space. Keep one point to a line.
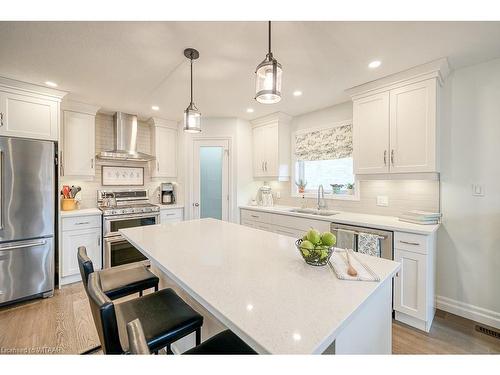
269 37
191 78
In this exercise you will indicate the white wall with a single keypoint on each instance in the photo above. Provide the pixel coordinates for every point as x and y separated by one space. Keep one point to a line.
468 278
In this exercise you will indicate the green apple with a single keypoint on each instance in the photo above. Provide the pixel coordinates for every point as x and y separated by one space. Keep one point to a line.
323 255
328 239
313 236
306 245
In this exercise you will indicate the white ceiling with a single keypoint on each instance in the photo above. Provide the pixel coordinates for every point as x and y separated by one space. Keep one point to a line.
130 66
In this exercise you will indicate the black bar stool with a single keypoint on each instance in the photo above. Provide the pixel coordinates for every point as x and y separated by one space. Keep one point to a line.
118 281
166 317
224 343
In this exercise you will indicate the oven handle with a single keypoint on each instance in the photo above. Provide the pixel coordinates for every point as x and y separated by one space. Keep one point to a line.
132 216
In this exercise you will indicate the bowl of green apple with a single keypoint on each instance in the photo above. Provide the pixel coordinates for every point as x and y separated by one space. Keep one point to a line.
316 248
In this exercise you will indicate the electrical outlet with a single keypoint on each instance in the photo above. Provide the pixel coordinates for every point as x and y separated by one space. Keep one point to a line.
478 190
382 200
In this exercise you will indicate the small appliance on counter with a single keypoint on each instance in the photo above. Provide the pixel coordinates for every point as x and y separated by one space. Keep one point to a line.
167 195
266 196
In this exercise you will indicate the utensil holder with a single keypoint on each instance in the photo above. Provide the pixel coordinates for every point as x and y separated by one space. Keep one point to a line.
68 204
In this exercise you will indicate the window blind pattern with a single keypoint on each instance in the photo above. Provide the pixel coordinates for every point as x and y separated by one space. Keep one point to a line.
324 144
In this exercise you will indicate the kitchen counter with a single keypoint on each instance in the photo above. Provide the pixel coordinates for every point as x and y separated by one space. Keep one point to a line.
82 212
351 218
257 284
169 206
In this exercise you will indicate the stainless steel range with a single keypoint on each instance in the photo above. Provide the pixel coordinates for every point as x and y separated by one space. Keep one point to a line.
124 209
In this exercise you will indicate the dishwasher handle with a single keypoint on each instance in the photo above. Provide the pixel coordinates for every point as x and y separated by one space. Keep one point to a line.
380 237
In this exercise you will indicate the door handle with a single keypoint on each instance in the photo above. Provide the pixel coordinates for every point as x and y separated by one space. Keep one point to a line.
385 157
196 204
392 156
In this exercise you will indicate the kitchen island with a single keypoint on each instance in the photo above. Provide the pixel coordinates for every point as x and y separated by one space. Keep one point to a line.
257 284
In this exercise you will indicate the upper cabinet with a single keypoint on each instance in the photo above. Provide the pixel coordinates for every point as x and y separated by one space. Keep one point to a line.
29 111
271 147
163 147
78 148
395 121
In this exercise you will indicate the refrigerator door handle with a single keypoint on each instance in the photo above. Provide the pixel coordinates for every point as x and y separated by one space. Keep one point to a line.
1 189
23 244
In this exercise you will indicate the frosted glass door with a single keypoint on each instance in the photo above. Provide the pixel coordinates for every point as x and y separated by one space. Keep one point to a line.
210 179
211 159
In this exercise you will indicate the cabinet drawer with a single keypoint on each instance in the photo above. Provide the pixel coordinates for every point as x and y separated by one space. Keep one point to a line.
411 242
81 222
262 217
290 232
171 214
300 223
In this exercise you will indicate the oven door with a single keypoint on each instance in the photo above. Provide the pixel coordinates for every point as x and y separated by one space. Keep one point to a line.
111 224
118 251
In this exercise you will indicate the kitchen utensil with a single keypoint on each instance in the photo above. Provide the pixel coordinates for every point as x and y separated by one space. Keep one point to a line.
66 191
73 191
351 271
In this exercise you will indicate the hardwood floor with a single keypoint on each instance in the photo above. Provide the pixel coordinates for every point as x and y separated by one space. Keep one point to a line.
63 324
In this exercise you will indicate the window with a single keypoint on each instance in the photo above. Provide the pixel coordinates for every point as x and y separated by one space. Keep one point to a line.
324 157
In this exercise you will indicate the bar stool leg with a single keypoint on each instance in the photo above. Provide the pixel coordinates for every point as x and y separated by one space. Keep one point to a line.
156 287
169 349
198 336
140 293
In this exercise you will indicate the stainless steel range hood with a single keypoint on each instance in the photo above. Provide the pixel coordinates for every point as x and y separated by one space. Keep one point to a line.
125 128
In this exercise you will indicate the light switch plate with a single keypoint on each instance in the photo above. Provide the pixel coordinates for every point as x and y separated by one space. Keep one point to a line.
478 190
382 200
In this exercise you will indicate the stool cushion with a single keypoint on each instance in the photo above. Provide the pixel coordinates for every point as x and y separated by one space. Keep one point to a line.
165 318
122 281
225 342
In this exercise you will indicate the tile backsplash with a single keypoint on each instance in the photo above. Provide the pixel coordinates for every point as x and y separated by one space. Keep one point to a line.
104 140
402 195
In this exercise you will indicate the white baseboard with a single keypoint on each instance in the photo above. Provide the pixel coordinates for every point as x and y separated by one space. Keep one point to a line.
475 313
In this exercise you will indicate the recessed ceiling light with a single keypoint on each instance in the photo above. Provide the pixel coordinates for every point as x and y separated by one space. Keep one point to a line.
51 84
249 110
155 108
297 93
374 64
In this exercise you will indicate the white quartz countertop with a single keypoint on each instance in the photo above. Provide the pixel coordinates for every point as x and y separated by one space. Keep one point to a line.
256 283
351 218
82 212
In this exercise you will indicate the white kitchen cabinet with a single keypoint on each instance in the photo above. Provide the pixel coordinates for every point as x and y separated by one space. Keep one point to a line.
164 148
414 288
395 121
171 215
271 147
371 134
29 111
79 231
78 154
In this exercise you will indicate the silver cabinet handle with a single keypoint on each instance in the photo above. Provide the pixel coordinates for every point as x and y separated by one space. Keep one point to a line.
392 156
62 164
262 167
385 157
1 118
169 214
410 243
82 223
266 165
255 216
158 166
92 163
98 240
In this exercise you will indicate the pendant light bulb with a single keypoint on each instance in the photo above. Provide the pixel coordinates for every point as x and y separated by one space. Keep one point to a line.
192 116
268 77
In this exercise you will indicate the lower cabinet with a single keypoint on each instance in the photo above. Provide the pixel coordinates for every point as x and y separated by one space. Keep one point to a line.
76 232
171 215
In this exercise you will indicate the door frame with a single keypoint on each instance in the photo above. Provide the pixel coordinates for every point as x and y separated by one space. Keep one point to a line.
230 186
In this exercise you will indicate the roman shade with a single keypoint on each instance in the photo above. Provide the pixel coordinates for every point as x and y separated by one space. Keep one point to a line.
324 144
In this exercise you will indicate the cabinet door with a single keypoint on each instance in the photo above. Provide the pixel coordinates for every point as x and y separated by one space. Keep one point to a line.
271 148
91 239
258 151
28 116
413 128
410 284
165 152
371 134
79 144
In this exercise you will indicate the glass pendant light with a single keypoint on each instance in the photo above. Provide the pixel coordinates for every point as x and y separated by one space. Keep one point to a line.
192 117
268 78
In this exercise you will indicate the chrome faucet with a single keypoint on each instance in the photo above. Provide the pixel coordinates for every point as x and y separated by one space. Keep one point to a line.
321 198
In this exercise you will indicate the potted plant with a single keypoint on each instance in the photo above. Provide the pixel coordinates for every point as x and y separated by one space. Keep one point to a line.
350 188
336 188
301 185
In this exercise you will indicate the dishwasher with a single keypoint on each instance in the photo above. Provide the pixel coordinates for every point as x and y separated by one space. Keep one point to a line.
348 236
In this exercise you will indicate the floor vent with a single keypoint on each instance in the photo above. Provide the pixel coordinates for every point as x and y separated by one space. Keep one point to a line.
488 331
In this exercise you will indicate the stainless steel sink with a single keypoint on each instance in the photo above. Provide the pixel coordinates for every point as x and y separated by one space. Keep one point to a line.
312 211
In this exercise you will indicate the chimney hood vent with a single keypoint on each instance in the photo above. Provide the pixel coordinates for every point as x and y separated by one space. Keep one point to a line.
125 129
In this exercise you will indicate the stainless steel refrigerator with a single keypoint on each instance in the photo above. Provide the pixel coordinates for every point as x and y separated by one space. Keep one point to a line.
27 218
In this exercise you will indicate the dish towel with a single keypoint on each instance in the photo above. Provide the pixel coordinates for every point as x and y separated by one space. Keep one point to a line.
369 244
338 262
345 239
